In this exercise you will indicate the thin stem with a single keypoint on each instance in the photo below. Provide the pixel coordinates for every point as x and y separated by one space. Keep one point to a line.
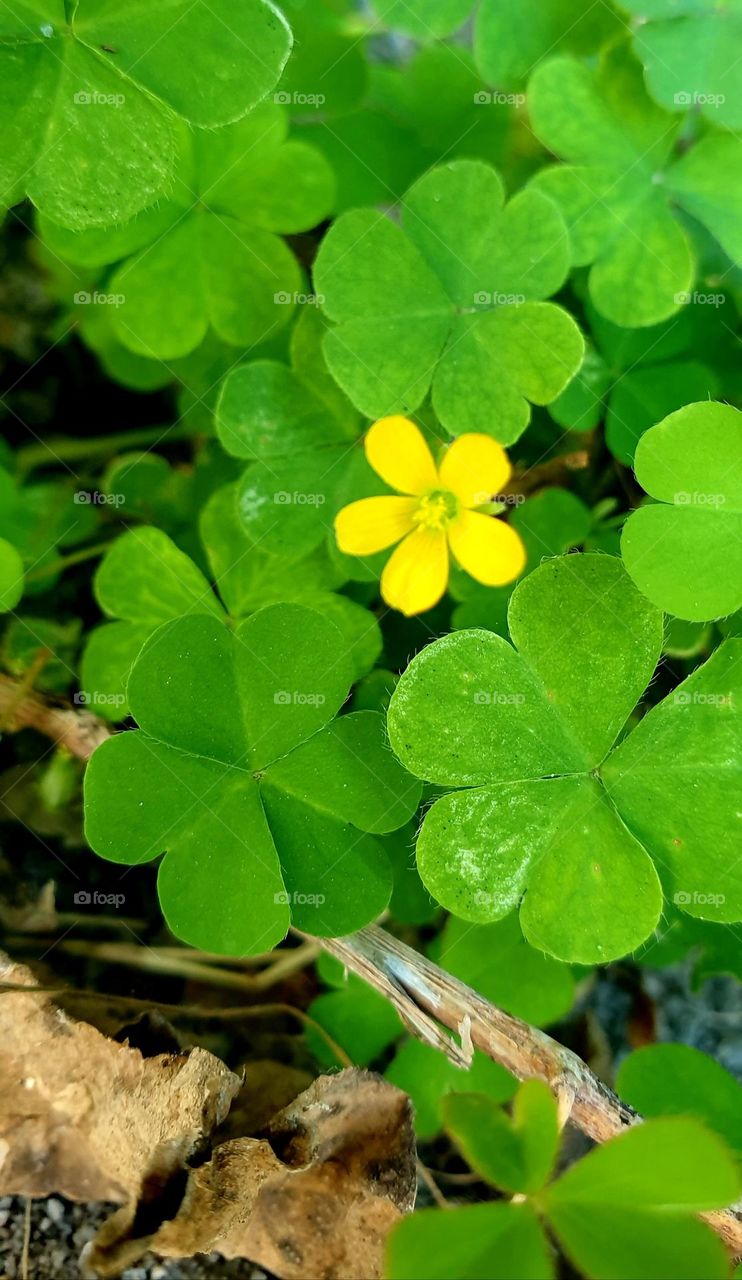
64 562
71 449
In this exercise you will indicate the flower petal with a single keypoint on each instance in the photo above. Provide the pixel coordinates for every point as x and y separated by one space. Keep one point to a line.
488 549
372 524
416 574
475 468
398 452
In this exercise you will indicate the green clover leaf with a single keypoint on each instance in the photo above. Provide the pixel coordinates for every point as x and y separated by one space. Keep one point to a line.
211 254
94 94
685 550
145 579
262 799
450 300
550 814
635 377
11 576
676 1079
620 185
691 51
428 1076
508 44
549 523
626 1209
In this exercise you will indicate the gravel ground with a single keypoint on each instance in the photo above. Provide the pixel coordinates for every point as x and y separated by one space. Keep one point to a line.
60 1229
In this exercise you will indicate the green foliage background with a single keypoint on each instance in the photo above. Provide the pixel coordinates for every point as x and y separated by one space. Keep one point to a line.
263 230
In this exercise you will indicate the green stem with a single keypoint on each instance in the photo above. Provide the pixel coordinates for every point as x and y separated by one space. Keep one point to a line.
67 449
64 562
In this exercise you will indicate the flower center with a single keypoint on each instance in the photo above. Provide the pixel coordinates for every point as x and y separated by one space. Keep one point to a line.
436 509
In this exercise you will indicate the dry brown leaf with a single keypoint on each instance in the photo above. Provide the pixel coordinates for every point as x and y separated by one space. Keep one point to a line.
313 1199
91 1118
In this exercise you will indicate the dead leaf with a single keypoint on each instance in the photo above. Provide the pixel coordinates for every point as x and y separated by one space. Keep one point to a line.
90 1118
312 1199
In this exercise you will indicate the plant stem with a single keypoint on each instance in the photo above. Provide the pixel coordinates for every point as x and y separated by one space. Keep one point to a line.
64 562
70 449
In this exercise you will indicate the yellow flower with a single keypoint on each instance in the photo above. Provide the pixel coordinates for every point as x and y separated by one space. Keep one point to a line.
436 514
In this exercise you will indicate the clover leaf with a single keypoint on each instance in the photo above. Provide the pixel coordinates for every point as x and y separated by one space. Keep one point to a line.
685 550
299 450
240 772
93 95
621 183
211 254
551 813
691 51
626 1209
676 1079
635 377
509 45
428 1076
450 300
11 576
145 579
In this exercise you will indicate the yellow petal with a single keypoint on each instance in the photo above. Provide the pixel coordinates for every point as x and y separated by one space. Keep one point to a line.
373 524
416 574
490 550
398 452
475 468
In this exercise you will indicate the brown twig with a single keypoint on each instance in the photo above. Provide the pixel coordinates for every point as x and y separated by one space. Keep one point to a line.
426 997
554 471
79 731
